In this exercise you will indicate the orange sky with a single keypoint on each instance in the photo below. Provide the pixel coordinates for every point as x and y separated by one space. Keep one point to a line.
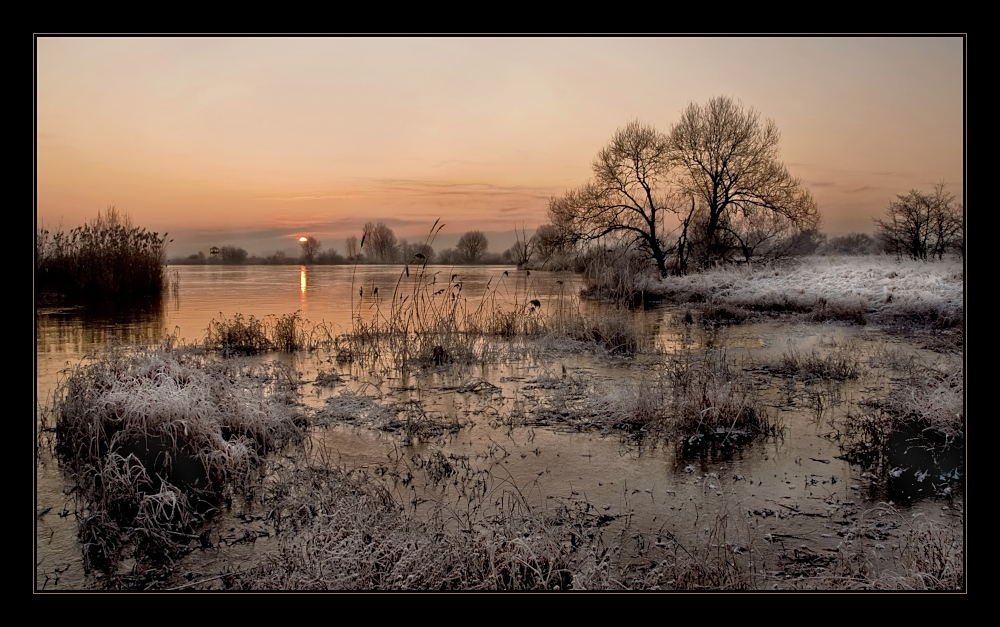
254 142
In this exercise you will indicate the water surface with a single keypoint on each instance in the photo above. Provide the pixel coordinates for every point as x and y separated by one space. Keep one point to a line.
796 483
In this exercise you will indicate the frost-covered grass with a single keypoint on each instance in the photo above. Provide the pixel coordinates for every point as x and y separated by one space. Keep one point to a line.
155 439
841 364
352 532
916 436
926 556
356 535
873 289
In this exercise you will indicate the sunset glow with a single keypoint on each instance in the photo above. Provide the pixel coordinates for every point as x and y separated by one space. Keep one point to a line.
245 141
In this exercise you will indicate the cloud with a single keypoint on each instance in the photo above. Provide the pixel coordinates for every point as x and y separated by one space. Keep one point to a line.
296 198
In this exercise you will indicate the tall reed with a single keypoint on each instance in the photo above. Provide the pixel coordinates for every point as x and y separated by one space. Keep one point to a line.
427 317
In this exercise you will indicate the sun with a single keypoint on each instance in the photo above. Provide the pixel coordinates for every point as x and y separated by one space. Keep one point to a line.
303 239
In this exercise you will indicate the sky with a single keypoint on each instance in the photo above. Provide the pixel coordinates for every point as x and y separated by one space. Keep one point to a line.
256 141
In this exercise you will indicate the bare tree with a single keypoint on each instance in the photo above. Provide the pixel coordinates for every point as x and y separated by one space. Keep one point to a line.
628 195
921 225
380 243
520 251
352 247
551 243
728 160
310 247
472 246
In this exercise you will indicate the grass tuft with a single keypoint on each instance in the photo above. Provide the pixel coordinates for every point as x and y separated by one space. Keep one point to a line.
250 336
156 440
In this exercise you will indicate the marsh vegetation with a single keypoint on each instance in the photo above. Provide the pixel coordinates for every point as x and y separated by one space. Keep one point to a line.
489 430
105 260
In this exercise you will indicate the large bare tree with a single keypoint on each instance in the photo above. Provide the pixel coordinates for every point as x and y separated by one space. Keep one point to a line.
728 161
628 195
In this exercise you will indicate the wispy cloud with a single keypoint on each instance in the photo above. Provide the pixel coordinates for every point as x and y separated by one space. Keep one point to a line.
394 188
308 197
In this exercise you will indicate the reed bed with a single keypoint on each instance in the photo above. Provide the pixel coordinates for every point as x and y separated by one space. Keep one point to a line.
106 260
156 439
428 320
621 277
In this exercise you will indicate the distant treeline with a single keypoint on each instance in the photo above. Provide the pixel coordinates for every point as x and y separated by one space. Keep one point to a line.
544 250
378 245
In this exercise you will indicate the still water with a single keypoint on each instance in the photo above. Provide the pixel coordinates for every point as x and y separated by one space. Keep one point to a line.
797 484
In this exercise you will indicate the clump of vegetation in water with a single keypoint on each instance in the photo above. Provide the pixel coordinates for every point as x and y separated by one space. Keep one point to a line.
250 336
615 332
715 399
108 259
915 439
841 364
157 439
696 399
